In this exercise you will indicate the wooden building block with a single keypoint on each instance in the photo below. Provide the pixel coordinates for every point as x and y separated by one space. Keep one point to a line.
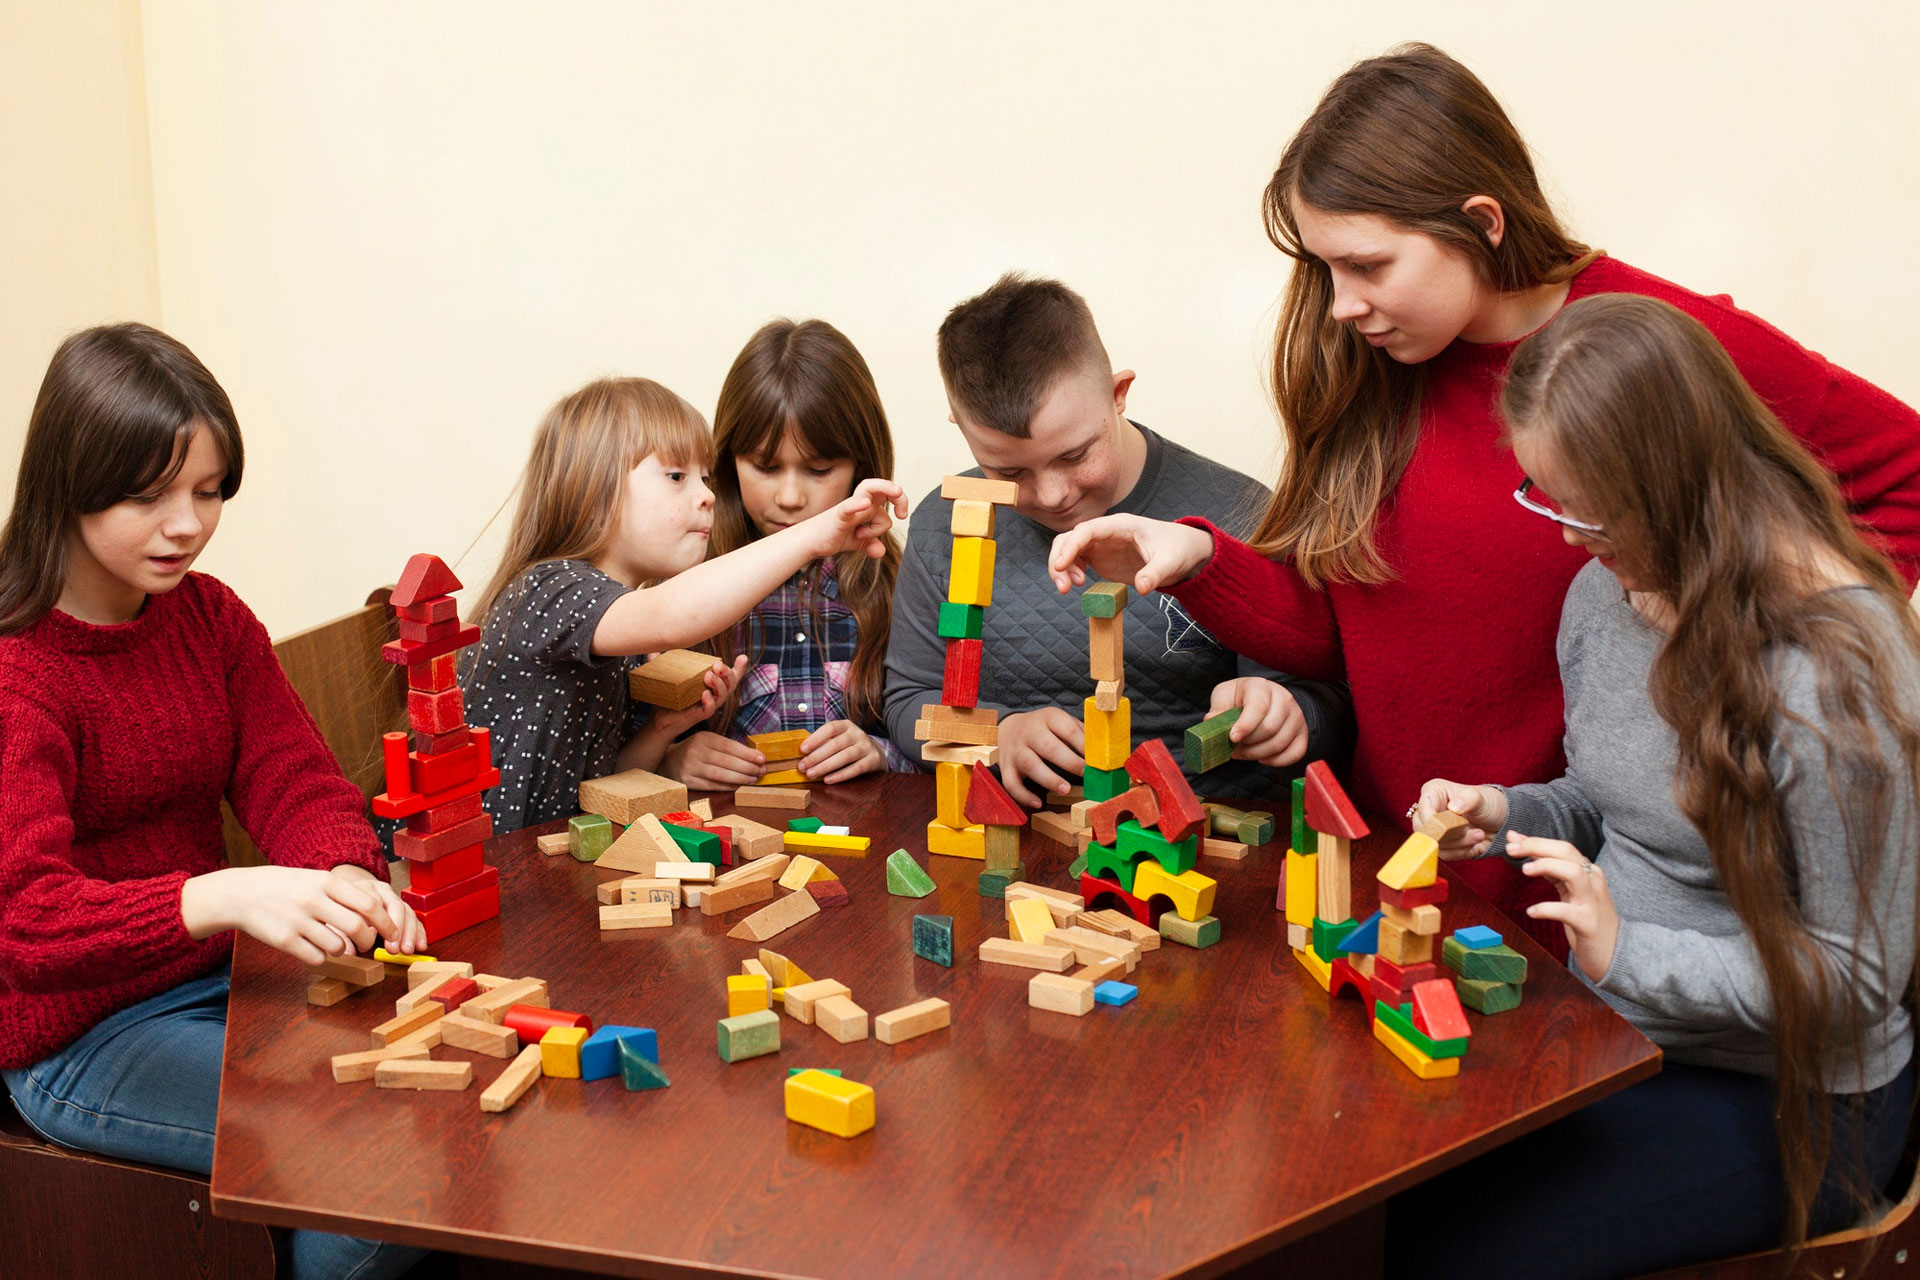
642 847
1203 932
674 680
1442 824
800 870
955 731
478 1036
1060 994
327 991
969 843
751 840
623 797
909 1021
747 992
1415 1061
414 1073
1109 734
560 1052
1099 971
1003 493
971 518
782 745
772 798
1423 919
512 1084
970 575
933 939
1028 955
1328 810
950 784
1054 826
1029 919
1118 924
1106 694
960 753
637 889
355 971
960 622
1107 651
1210 744
721 899
829 1103
1427 895
907 878
1487 997
1226 850
1002 844
960 678
1333 863
1403 946
558 842
1414 865
1437 1012
431 973
395 1028
493 1005
783 778
1092 947
840 1018
1065 906
453 993
1190 892
1181 816
988 802
1104 816
1484 964
1103 600
848 846
636 915
776 917
350 1068
751 1035
801 996
684 872
702 809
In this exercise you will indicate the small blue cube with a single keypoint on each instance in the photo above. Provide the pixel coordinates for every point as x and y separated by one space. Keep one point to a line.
600 1055
1111 992
1477 937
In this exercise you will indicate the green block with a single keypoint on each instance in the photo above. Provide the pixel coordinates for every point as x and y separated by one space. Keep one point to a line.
1256 827
637 1070
933 939
805 824
825 1071
961 621
1305 838
1208 746
1400 1019
905 877
1105 784
1327 935
699 846
588 835
993 884
1105 860
1487 997
1175 858
1103 599
749 1035
1203 932
1077 868
1485 964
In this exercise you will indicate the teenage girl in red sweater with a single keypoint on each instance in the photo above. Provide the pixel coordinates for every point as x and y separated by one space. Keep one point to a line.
134 696
1393 554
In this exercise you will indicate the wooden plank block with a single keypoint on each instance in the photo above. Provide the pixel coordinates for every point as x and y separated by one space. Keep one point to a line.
674 680
957 753
912 1020
776 918
1060 994
623 797
1423 919
1107 651
349 1068
355 971
1091 946
769 868
772 798
427 1037
650 889
781 745
1028 919
636 915
327 991
697 872
751 840
1066 907
841 1018
825 842
962 715
1121 925
394 1028
1003 493
1215 847
1052 825
721 899
408 1073
971 518
1107 694
510 1085
826 1102
1333 864
802 996
1099 972
1109 734
783 778
1029 955
478 1036
1209 744
558 842
955 731
493 1005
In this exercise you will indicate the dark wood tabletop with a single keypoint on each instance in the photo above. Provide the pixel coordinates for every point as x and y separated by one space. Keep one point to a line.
1227 1111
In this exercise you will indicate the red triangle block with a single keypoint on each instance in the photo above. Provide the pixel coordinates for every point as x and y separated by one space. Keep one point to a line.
425 577
988 802
1153 766
1437 1012
1328 808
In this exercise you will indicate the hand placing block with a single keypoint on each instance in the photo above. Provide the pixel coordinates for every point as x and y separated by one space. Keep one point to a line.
673 681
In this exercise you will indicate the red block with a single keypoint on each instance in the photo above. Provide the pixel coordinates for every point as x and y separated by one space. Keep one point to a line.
437 773
393 754
530 1023
1139 802
425 577
1402 979
829 893
430 877
435 675
726 843
685 818
1328 808
444 817
1434 894
1437 1012
961 688
405 653
1346 979
461 913
434 744
1098 892
429 848
432 899
438 609
426 632
454 992
1180 812
989 803
436 712
385 806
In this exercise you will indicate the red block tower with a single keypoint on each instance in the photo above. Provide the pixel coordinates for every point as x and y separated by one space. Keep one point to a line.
435 781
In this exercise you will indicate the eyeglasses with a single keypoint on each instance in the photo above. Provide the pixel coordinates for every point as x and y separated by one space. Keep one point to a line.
1540 507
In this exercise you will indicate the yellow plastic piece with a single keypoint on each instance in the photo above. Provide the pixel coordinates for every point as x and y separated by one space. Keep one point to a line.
1322 971
950 783
843 1108
400 957
1415 865
1303 880
970 842
854 845
783 778
1417 1062
779 995
1109 734
747 993
560 1052
1192 893
971 579
1028 920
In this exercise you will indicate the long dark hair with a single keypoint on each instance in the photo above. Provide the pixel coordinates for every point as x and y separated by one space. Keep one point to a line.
112 420
1677 456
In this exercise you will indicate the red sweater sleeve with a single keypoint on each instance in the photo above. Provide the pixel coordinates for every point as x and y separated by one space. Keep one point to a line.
1262 609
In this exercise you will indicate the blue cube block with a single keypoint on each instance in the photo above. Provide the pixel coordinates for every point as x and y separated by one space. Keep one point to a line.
600 1055
1111 992
1477 937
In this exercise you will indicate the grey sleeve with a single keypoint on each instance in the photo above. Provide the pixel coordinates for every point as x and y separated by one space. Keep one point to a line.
1557 810
916 655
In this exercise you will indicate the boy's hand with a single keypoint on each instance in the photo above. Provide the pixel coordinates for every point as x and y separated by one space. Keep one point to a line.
861 522
839 750
1039 747
1484 808
1585 908
1145 554
1271 730
709 762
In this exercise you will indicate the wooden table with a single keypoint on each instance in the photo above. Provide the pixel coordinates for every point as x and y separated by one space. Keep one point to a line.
1225 1113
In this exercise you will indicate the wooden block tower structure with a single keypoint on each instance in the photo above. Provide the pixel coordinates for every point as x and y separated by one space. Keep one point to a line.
957 731
434 782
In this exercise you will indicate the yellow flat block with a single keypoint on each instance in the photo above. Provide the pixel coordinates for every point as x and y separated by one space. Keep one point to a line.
747 993
1415 865
783 778
1416 1061
849 846
1322 971
1029 920
969 842
843 1108
1303 882
782 745
1191 892
970 581
950 784
560 1052
385 956
1109 734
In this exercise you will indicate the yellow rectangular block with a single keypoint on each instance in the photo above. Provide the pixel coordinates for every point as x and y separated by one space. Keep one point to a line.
970 581
1109 734
971 518
783 778
781 745
1190 892
950 784
821 842
1029 920
1416 1061
969 842
843 1108
748 993
1303 887
560 1052
1415 865
1322 971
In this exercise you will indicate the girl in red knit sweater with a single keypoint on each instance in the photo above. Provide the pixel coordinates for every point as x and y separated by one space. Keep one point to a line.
1392 554
134 697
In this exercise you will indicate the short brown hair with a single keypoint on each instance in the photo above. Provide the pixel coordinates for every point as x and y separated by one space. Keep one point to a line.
1000 352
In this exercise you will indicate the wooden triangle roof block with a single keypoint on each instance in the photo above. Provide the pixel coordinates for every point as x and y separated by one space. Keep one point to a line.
424 578
988 802
1328 808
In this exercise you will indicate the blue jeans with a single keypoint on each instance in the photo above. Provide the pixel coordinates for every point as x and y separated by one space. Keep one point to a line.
145 1085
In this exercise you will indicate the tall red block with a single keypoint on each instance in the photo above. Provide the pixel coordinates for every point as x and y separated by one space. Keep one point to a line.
961 687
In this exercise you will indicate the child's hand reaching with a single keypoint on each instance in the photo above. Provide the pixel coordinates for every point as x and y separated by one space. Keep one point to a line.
839 750
1585 907
308 914
1147 555
721 680
1271 729
861 522
1484 808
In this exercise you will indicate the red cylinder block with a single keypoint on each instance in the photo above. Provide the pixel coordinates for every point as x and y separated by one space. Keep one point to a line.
393 753
530 1023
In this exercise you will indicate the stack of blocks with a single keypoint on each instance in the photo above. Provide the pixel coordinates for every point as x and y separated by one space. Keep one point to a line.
1490 971
435 786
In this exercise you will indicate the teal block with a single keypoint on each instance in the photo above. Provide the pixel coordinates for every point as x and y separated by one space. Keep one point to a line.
1105 784
1305 838
933 939
1474 937
961 621
637 1070
809 825
1114 993
993 884
588 835
749 1035
1401 1020
1136 840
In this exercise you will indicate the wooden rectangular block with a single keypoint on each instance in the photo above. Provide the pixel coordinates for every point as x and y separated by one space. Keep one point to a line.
478 1036
355 971
1003 493
431 973
413 1073
971 518
1109 734
1028 919
783 778
327 991
1121 925
960 753
493 1005
721 899
747 992
349 1068
1054 826
394 1028
1060 994
674 680
751 840
1028 955
802 996
558 842
776 917
960 676
950 785
1099 971
1066 907
955 731
970 842
636 915
1106 694
650 889
782 745
912 1020
772 798
1423 919
697 872
1107 650
825 842
560 1052
1403 946
512 1084
1334 866
1230 850
1090 946
769 868
840 1018
826 1102
623 797
970 576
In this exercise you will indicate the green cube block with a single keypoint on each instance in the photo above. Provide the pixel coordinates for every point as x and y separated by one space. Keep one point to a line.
1203 932
1256 827
1105 860
961 621
1327 936
1305 838
994 882
637 1070
588 835
1487 997
1077 868
905 877
1105 784
1103 599
1483 964
699 846
825 1071
1400 1018
749 1035
933 939
1176 858
805 824
1208 743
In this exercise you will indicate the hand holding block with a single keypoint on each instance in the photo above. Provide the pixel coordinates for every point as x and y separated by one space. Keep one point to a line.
673 681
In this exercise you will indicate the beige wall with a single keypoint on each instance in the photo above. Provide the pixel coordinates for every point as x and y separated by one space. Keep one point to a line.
398 232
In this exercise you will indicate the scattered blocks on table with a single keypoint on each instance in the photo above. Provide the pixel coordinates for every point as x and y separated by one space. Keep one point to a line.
1485 964
905 877
749 1035
1114 993
912 1020
823 1100
933 939
841 1018
1198 934
1210 744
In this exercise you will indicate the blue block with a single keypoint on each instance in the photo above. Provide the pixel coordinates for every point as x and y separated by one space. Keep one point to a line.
1477 937
1363 939
600 1055
1111 992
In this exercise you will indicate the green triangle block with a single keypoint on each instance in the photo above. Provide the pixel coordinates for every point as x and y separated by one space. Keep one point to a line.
907 878
1077 868
699 846
637 1071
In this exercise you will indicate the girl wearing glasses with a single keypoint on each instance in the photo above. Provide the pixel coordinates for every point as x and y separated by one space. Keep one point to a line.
1391 554
1731 844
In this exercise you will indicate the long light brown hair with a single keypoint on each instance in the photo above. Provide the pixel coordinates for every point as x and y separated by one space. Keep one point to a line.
112 420
1409 137
1726 513
806 380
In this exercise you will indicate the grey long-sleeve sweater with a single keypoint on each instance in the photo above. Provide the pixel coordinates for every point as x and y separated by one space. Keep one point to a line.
1684 970
1035 639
